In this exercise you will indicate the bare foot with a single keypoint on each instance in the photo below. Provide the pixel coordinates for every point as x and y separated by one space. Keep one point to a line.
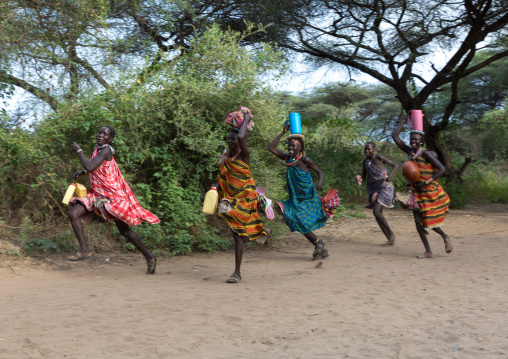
448 245
425 256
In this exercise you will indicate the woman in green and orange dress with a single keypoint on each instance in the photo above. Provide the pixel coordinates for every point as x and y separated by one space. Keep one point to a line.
433 202
237 193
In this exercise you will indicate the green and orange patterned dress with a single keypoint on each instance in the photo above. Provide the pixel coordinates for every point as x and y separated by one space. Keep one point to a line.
432 199
238 187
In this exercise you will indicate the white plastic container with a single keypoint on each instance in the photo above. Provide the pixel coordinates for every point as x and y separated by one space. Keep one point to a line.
69 193
211 201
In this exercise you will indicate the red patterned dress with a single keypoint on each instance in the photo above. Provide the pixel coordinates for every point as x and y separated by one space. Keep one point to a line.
107 181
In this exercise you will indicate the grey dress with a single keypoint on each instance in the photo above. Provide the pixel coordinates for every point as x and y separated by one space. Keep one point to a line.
376 184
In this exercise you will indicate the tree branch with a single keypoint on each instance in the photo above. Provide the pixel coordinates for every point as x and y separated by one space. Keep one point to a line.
41 94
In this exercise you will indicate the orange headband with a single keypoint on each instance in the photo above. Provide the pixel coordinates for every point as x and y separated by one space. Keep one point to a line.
298 143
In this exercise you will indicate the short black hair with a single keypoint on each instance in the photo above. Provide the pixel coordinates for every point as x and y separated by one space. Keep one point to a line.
234 129
372 143
112 132
299 140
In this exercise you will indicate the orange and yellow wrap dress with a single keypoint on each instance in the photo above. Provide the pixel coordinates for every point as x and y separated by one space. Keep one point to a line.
238 187
432 199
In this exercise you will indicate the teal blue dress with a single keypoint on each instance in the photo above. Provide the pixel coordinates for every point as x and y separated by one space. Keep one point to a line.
303 212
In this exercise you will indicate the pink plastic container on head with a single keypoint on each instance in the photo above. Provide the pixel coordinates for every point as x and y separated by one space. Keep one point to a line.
416 117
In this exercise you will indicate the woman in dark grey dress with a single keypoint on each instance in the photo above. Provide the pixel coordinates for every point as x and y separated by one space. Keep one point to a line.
379 186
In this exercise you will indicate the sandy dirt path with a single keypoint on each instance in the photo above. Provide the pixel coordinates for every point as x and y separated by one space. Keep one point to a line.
365 301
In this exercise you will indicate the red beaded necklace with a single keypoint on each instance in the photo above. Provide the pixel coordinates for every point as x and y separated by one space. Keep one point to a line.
295 161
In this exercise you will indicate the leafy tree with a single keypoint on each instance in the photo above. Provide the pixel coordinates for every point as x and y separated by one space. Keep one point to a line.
393 41
169 130
53 50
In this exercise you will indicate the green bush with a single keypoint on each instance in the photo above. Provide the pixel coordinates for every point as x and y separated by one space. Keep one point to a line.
458 194
494 187
37 245
170 127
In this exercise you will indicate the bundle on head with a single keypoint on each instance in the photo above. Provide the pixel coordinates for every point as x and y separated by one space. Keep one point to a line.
236 118
296 136
415 132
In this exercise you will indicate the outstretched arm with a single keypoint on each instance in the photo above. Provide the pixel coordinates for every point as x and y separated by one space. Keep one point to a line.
242 138
391 163
310 163
103 155
273 146
400 144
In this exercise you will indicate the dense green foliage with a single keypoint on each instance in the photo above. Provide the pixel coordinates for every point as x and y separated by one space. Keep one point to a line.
170 128
169 112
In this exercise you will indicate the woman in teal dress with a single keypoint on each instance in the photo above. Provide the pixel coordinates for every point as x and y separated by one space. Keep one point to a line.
304 211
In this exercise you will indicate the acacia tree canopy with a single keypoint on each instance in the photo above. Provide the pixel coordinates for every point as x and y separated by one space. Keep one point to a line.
394 42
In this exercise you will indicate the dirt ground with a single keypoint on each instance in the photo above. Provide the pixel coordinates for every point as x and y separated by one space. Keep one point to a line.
366 300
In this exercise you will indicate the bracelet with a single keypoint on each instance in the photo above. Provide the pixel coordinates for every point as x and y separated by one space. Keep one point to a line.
79 150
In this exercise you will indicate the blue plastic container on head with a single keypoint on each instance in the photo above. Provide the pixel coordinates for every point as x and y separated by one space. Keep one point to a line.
295 123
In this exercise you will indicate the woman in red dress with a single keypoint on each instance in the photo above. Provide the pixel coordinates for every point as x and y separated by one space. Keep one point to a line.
109 200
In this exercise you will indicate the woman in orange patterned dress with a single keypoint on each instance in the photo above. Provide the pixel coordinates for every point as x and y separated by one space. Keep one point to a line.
238 196
433 202
110 199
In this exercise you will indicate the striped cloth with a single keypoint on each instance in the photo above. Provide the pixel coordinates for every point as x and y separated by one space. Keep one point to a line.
107 181
432 199
237 185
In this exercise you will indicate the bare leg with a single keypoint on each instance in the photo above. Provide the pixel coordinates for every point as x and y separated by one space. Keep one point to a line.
446 239
423 237
383 224
383 229
239 246
75 214
311 237
133 237
127 232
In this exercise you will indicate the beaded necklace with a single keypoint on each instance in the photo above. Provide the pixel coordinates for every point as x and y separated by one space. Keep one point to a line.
235 156
413 156
295 161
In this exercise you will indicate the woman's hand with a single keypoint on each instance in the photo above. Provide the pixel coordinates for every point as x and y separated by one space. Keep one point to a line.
75 146
388 178
286 127
358 180
247 117
77 174
319 187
